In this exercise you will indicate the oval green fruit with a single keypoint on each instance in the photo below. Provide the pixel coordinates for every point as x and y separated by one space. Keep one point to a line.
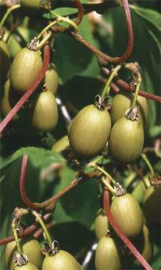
101 224
108 255
122 102
51 79
89 131
126 140
139 191
24 69
45 112
28 266
5 60
61 144
127 214
30 247
152 206
60 261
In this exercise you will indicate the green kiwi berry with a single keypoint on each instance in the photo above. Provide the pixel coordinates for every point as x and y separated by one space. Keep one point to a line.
122 102
28 266
152 206
30 247
139 191
101 224
51 79
5 60
126 140
128 215
108 255
60 261
89 131
61 144
24 69
45 112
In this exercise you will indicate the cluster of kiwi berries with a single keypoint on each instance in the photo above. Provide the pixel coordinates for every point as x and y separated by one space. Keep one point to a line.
35 258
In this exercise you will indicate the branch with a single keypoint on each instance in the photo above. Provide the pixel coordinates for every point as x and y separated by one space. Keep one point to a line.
80 11
121 234
29 92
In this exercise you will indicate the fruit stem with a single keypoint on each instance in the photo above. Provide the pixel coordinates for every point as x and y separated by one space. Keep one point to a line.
144 157
14 228
129 179
114 72
63 19
39 219
9 10
108 186
45 39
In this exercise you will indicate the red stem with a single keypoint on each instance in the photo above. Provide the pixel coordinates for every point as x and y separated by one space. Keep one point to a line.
30 91
121 234
80 11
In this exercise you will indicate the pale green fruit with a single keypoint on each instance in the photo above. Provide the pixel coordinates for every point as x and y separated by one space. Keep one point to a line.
61 144
89 131
25 69
4 59
45 112
51 79
101 224
28 266
139 191
30 247
126 140
108 255
152 206
33 4
122 102
127 214
61 261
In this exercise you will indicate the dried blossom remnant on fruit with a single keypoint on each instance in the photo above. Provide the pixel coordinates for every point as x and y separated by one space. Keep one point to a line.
45 4
51 249
102 104
19 212
155 180
20 259
32 45
120 190
132 114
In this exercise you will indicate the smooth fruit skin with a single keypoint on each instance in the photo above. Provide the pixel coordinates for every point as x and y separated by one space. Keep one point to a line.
126 140
139 192
108 255
30 4
127 214
45 112
152 206
51 79
122 102
101 224
24 69
30 247
89 131
5 60
28 266
61 144
60 261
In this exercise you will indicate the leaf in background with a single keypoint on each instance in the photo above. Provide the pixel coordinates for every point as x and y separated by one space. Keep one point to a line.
81 203
71 57
39 159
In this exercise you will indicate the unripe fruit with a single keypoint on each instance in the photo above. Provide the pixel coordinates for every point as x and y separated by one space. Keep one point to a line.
45 112
89 131
139 192
60 261
101 224
33 4
51 79
128 215
108 255
61 144
5 60
28 266
30 247
126 140
8 100
122 102
152 206
24 69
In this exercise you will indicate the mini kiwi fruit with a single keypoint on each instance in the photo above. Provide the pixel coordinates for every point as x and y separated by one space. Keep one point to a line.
126 140
127 214
60 261
44 112
108 254
24 69
61 144
89 131
5 60
51 79
101 224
